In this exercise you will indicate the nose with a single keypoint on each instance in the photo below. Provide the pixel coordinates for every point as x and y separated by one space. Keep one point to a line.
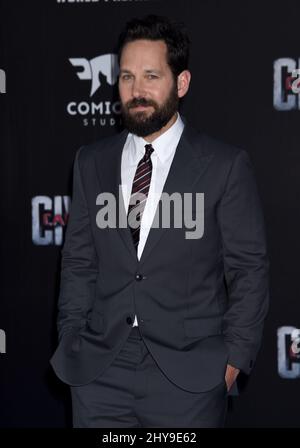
138 88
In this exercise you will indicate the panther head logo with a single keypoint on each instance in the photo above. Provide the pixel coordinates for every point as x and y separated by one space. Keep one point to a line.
106 64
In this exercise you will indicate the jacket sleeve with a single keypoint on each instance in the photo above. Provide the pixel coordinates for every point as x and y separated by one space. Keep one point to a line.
246 264
79 261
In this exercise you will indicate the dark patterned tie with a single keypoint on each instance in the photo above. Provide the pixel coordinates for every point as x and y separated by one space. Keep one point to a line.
139 193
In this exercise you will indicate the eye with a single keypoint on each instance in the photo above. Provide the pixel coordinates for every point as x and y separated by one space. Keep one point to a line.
126 77
152 76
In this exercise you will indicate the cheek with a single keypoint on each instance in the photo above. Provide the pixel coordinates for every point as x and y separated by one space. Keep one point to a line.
123 92
160 97
157 94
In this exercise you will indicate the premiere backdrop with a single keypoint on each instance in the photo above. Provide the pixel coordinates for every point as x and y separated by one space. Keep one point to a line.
58 75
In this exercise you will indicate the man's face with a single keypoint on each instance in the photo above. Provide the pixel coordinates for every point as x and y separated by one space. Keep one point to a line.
147 89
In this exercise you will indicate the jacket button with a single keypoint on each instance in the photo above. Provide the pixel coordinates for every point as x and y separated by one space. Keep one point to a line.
129 320
138 277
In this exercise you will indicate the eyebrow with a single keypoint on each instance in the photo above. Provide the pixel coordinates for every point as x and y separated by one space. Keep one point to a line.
124 70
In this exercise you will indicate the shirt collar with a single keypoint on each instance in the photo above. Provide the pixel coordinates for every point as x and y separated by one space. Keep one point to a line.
164 145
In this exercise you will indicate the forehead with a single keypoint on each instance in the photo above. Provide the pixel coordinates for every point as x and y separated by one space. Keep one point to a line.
144 53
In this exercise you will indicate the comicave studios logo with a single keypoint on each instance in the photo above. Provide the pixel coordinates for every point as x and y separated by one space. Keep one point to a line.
286 92
49 219
2 81
99 75
288 343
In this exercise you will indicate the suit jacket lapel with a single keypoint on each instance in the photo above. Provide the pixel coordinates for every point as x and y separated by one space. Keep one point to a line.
186 168
108 164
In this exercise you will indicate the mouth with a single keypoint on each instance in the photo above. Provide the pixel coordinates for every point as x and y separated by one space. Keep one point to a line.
140 107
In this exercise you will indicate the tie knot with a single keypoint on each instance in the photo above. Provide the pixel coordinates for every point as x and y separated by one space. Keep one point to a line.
148 151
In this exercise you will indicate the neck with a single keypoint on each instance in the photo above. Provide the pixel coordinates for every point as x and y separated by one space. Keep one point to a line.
150 138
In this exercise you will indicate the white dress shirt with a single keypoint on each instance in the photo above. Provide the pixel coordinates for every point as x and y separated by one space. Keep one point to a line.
162 156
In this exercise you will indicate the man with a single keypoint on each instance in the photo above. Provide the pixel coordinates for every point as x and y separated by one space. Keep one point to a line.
155 325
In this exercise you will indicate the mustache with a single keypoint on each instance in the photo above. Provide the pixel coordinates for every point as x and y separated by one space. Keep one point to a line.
140 102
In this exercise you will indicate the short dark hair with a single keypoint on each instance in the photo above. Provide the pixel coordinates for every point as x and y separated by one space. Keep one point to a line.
153 27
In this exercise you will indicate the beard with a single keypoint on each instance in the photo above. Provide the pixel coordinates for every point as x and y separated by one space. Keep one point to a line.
140 124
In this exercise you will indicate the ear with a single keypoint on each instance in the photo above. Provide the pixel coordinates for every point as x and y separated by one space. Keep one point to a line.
183 82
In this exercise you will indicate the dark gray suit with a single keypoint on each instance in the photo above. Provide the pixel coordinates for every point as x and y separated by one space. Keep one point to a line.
200 303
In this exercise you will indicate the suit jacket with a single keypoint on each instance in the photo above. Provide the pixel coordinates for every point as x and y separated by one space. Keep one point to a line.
200 303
